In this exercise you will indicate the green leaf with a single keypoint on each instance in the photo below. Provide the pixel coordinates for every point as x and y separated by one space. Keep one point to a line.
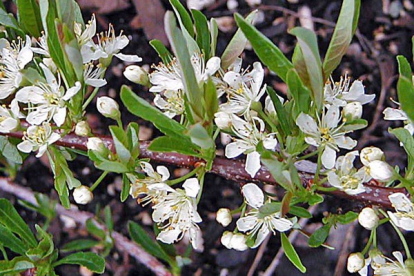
141 237
405 87
406 139
45 247
79 245
275 168
314 199
29 17
291 254
309 46
199 136
184 15
280 111
319 236
213 34
8 20
236 45
67 12
89 260
300 66
162 51
268 53
270 208
9 240
210 98
14 222
146 111
107 165
356 16
108 219
172 144
14 266
299 212
94 230
126 186
203 34
133 139
355 125
121 143
348 217
179 45
299 92
341 37
9 150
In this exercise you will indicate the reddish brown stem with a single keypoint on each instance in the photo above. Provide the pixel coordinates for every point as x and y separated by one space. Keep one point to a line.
230 169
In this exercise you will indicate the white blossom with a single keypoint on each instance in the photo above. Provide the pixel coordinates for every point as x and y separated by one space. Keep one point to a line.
82 195
249 135
326 134
381 171
399 115
340 94
82 129
368 218
224 217
9 118
38 138
108 107
353 111
355 263
171 102
384 266
347 178
370 154
236 241
404 215
137 75
94 75
47 101
13 58
256 223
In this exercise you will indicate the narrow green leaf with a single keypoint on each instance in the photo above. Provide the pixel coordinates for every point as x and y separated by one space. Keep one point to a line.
94 229
203 33
108 219
184 15
405 87
14 222
300 66
199 136
172 144
14 266
8 20
319 236
356 16
133 139
179 45
89 260
280 111
143 109
29 17
299 92
44 248
9 150
406 139
299 212
341 38
291 254
275 167
348 217
236 45
126 186
9 240
162 51
210 98
141 237
79 245
213 35
309 46
268 53
121 143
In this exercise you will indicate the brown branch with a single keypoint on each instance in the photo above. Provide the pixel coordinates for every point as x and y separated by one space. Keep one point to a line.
121 243
234 170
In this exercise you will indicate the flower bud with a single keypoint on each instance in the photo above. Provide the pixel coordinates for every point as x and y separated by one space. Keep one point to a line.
82 129
223 120
380 171
370 154
137 75
238 242
108 107
368 218
223 216
353 111
356 262
96 144
226 239
82 195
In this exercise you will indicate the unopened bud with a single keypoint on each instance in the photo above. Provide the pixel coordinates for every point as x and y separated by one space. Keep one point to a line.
96 144
238 242
380 171
356 262
368 218
370 154
353 111
82 195
223 216
82 129
108 107
226 239
137 75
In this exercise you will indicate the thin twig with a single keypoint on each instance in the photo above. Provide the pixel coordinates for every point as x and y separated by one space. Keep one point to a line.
121 243
234 170
259 256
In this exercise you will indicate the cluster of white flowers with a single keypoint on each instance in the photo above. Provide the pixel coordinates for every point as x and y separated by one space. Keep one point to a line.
175 210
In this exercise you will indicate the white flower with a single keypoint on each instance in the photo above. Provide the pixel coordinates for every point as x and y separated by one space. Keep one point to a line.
346 177
137 75
340 94
47 101
43 47
38 138
404 215
235 241
82 129
353 111
368 218
381 171
108 107
13 58
326 134
397 114
250 135
199 4
356 262
171 101
94 76
82 195
384 266
88 33
179 207
9 118
223 216
256 223
370 154
223 120
244 90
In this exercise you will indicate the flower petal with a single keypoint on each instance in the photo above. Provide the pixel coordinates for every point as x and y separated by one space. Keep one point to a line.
191 187
328 157
254 195
252 163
